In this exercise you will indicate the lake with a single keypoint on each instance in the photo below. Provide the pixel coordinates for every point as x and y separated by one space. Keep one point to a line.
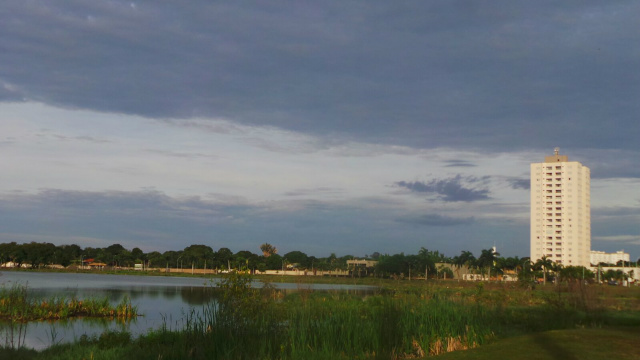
161 300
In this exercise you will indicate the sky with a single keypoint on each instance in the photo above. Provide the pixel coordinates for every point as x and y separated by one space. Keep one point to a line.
347 127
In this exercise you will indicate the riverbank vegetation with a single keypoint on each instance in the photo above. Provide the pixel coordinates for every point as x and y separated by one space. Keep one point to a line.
18 305
403 320
406 318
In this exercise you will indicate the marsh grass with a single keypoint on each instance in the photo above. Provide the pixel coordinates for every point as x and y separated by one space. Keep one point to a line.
17 305
397 323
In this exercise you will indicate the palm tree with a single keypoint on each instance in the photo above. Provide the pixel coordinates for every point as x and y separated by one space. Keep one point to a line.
268 249
545 263
525 267
556 268
427 259
466 258
487 259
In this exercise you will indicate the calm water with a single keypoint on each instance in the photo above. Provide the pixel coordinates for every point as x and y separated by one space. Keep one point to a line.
161 300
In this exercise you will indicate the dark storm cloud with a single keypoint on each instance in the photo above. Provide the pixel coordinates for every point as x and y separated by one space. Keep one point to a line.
459 163
452 189
612 163
616 212
315 191
500 75
517 183
435 220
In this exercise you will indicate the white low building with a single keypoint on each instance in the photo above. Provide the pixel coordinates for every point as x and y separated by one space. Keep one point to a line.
598 257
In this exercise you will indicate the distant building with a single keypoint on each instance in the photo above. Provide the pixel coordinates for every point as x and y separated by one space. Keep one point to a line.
561 211
365 263
361 267
598 257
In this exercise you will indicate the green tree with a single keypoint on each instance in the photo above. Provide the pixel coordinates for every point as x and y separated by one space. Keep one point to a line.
246 259
156 259
274 262
116 255
427 260
297 257
487 260
38 254
545 264
573 273
465 258
138 255
392 265
197 255
223 258
65 255
172 258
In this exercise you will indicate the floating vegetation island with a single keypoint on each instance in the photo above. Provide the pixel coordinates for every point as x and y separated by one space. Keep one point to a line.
17 305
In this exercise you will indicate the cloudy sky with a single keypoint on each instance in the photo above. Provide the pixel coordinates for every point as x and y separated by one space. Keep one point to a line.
332 126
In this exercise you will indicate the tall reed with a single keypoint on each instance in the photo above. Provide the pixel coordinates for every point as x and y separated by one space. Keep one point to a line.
251 323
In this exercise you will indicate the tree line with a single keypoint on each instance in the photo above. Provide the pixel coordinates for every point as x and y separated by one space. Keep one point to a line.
425 263
36 255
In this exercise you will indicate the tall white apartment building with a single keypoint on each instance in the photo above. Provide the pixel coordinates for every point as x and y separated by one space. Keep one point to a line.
561 211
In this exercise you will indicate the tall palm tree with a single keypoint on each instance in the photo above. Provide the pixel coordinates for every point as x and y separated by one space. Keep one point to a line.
556 268
268 249
427 260
487 259
466 258
545 264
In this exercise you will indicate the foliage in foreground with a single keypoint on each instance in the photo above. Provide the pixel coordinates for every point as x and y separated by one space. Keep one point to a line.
253 323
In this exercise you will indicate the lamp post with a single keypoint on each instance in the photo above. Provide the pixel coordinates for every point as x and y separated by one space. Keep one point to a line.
524 266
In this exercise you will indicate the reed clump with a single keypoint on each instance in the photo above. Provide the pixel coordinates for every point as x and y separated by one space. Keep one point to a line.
254 323
17 305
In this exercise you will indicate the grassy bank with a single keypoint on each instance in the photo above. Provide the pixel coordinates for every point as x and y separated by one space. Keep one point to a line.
402 321
405 319
619 343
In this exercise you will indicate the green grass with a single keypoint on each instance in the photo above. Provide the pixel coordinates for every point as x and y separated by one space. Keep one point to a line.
404 320
620 343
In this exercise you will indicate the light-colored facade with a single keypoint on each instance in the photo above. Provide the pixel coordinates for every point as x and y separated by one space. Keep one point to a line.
598 257
561 211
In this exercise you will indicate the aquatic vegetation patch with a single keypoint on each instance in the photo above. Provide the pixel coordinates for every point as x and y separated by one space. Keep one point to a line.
17 305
